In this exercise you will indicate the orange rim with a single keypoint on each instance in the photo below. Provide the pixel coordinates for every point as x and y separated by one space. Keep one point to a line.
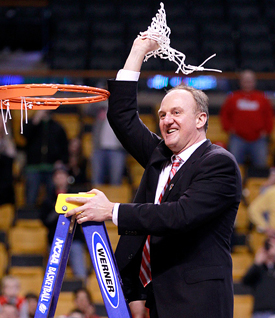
15 94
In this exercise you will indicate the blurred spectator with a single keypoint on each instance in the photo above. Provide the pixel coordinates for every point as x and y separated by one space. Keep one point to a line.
138 309
270 180
49 218
261 277
10 295
32 300
77 166
7 155
76 313
9 311
46 144
109 157
84 303
261 211
247 115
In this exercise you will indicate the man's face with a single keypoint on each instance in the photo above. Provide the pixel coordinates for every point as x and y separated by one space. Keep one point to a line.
82 301
247 81
11 288
178 121
9 311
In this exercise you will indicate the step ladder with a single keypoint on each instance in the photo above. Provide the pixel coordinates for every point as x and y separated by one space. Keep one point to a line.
102 257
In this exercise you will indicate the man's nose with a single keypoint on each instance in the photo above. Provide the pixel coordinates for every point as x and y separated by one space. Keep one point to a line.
168 119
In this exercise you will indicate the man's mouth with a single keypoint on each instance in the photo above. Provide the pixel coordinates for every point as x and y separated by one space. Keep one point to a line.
170 131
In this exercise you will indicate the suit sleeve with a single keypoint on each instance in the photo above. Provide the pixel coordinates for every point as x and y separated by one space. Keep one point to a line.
214 189
124 119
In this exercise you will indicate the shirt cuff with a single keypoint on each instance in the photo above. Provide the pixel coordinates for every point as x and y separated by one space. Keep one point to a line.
127 75
115 213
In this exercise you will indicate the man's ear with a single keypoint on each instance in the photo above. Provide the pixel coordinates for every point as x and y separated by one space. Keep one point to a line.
201 120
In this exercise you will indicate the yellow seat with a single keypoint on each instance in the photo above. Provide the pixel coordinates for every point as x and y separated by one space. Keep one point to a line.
29 223
136 171
215 131
65 304
117 193
7 212
70 122
113 234
87 144
256 240
30 277
150 121
28 240
242 219
93 287
3 260
241 263
19 188
252 188
243 306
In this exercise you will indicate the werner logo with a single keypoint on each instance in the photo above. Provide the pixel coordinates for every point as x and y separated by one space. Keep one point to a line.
105 270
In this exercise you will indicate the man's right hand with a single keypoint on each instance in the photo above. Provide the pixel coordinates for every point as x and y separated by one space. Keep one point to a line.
140 48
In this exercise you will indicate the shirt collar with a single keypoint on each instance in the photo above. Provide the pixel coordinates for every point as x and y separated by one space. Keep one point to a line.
185 154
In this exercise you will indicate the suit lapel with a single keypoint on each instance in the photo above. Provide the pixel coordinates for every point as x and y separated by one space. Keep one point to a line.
185 168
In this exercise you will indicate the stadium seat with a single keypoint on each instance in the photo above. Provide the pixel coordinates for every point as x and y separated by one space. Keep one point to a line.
93 287
242 219
31 278
255 240
32 240
3 260
70 122
117 193
215 132
113 234
243 306
241 263
7 213
252 188
65 304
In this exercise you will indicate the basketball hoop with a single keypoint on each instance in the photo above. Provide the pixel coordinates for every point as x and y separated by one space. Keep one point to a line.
18 97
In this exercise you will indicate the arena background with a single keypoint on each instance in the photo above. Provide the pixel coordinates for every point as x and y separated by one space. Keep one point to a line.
85 42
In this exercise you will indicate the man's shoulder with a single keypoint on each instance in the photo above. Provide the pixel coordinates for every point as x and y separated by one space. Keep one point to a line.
217 151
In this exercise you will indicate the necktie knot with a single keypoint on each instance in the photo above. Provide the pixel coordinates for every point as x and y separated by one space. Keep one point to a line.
176 161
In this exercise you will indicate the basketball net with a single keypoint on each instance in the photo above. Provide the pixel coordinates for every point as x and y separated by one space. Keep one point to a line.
160 32
5 116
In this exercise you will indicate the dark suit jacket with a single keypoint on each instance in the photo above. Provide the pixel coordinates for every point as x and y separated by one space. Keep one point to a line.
190 230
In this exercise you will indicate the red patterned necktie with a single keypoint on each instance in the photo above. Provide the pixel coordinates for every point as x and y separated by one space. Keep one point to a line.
145 268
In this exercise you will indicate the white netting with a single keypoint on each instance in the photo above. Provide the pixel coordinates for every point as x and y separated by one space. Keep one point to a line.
160 32
7 115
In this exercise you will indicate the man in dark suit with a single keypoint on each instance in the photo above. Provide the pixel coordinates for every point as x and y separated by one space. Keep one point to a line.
190 228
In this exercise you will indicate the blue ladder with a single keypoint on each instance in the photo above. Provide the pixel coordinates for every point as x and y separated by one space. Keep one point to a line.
103 260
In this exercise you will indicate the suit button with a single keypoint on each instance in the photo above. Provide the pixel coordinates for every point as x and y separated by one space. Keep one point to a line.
130 256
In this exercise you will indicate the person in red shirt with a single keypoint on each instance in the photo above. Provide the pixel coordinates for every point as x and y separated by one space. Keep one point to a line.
247 116
10 295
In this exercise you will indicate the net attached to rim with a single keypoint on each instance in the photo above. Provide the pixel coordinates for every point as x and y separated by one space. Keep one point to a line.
18 97
160 32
